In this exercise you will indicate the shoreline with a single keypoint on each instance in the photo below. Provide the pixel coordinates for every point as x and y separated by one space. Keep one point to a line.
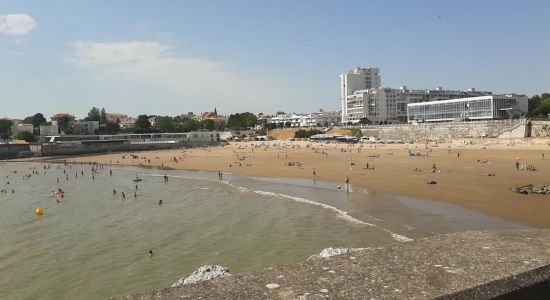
394 173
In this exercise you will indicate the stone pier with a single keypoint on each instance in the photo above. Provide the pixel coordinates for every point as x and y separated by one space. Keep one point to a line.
468 265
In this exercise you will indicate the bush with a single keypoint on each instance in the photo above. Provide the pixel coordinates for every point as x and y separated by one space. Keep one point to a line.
356 132
25 136
305 134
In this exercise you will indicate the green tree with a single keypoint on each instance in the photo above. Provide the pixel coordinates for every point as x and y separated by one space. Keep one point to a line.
36 120
165 124
25 136
103 116
364 121
244 120
93 115
5 128
207 124
543 109
188 125
64 124
142 124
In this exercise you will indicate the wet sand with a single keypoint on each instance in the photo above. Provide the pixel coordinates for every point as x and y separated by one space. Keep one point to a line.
460 180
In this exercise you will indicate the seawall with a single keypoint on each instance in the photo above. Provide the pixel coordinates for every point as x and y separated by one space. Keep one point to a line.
9 151
467 265
78 148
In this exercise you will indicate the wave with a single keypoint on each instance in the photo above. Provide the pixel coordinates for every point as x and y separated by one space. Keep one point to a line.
339 213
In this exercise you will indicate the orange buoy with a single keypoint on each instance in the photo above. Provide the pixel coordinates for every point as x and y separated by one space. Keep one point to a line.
39 211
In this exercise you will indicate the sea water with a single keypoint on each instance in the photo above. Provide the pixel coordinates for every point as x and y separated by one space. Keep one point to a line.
94 244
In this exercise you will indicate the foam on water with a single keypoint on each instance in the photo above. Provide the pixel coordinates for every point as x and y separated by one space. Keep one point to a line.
339 213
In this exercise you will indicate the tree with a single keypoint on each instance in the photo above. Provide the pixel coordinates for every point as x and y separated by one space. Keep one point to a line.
142 124
93 115
242 120
36 120
5 128
25 136
543 109
207 124
103 116
109 128
288 124
270 126
188 125
364 121
165 124
64 124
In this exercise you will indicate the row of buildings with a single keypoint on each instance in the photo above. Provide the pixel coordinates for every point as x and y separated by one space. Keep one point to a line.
362 96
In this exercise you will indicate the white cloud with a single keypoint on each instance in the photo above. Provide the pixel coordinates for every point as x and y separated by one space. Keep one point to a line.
16 24
154 65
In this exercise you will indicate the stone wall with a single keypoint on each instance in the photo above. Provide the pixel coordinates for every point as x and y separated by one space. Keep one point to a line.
446 132
14 151
540 129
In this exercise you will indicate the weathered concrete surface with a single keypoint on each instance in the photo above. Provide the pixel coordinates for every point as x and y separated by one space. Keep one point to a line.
470 265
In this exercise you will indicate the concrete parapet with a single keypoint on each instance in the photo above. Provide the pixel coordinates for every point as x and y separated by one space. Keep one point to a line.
468 265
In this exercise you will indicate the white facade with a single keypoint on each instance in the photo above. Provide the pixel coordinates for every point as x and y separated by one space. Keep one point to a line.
49 130
296 120
354 80
389 105
85 127
474 108
327 118
17 128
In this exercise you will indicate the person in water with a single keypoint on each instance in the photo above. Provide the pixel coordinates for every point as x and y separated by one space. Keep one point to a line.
123 195
160 202
151 253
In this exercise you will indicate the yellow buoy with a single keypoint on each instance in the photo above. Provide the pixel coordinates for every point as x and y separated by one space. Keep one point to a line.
39 211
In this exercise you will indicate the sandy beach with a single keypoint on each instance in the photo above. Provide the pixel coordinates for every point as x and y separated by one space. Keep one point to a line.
473 176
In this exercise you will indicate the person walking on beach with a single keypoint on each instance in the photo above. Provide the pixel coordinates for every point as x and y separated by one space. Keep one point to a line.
347 183
434 168
458 154
314 172
165 178
517 164
123 195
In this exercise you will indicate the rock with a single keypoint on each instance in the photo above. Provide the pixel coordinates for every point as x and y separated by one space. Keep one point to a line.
203 273
328 252
533 189
272 286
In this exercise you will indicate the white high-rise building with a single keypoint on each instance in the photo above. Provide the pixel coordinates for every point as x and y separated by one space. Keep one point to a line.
354 80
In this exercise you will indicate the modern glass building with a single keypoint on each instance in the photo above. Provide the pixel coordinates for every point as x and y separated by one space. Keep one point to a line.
474 108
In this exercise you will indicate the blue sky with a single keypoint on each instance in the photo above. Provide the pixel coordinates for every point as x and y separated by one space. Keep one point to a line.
171 57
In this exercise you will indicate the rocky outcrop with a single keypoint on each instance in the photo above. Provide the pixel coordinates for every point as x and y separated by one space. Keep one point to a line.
328 252
203 273
533 189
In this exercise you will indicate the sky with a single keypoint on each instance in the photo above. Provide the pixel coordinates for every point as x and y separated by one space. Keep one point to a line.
172 57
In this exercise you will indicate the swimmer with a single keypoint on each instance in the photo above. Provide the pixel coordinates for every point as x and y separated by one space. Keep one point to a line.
150 253
114 192
160 202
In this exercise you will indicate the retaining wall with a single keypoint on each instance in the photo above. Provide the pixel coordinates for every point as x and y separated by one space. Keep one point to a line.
8 151
540 129
446 132
78 148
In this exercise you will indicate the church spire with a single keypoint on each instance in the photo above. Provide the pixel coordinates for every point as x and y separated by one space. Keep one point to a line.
215 112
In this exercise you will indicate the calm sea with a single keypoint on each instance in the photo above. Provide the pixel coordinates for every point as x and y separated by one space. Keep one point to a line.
94 244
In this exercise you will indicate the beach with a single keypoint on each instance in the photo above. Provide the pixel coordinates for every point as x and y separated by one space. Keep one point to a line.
477 177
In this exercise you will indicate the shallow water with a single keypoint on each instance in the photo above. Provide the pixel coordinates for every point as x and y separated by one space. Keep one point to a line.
95 245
